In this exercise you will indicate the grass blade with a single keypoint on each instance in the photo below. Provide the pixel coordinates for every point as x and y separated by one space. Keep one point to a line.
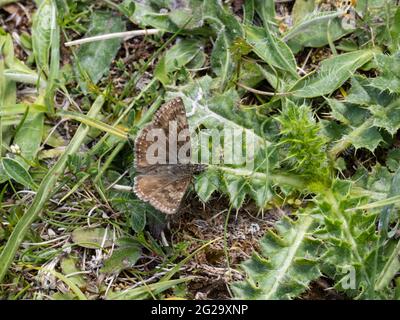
43 194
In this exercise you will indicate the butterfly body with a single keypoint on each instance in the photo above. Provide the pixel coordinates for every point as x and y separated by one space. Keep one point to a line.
165 173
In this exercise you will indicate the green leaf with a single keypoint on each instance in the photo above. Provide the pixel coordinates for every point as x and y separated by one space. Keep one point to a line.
352 258
176 57
206 184
127 7
125 257
248 12
387 117
8 91
228 29
302 144
395 31
266 11
365 137
312 30
93 238
302 9
18 173
390 73
178 14
7 87
389 270
138 218
68 267
43 25
332 73
364 115
29 137
221 60
135 210
271 49
93 59
236 187
287 263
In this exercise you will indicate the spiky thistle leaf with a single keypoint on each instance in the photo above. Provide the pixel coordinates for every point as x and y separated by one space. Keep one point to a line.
286 265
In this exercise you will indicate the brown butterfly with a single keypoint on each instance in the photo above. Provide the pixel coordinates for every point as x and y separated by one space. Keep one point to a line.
165 172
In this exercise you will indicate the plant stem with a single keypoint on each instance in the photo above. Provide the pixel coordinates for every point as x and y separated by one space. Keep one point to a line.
125 35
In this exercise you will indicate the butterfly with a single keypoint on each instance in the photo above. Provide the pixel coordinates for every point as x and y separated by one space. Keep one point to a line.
164 173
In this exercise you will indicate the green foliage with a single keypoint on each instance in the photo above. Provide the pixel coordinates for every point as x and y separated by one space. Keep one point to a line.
271 49
287 264
93 59
124 257
389 79
213 112
302 145
332 73
323 123
314 29
364 115
44 24
18 173
92 238
359 258
184 53
46 47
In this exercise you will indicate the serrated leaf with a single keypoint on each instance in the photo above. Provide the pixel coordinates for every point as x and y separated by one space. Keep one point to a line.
365 114
237 189
357 93
332 73
352 242
348 114
286 266
387 117
271 49
369 139
206 184
390 73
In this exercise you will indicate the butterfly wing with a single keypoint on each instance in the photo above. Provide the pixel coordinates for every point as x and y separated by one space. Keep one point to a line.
172 112
159 184
164 192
